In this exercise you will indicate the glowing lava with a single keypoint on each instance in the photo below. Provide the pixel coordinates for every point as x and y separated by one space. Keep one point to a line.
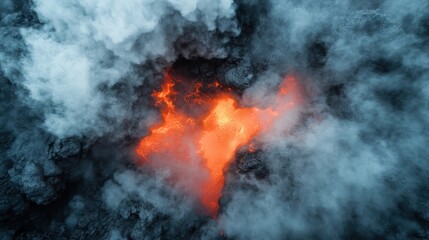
195 150
225 129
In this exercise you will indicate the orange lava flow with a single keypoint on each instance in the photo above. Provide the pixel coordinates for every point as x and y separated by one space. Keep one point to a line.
193 151
225 129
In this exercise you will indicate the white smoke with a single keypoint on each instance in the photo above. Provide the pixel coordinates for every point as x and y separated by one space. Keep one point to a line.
85 47
344 170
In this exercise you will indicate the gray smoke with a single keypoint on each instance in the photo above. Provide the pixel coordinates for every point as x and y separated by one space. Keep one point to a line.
351 162
358 167
86 49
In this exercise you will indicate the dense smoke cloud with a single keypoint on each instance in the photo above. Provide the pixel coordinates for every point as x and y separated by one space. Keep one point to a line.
86 49
350 162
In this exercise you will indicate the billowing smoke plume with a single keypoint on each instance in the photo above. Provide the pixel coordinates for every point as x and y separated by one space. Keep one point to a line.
86 52
351 161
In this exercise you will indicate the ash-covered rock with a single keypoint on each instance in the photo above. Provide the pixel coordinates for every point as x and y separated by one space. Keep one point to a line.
34 235
12 201
33 164
40 183
32 179
239 74
34 170
68 147
145 212
245 174
252 162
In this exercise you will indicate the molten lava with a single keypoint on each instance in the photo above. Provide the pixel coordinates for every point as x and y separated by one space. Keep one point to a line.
225 129
194 151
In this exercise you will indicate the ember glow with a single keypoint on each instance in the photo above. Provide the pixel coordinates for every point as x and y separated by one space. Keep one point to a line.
194 151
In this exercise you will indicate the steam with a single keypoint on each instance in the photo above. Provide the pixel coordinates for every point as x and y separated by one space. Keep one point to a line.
351 161
356 169
85 49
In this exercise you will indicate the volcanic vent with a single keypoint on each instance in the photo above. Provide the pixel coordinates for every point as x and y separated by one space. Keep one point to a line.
202 125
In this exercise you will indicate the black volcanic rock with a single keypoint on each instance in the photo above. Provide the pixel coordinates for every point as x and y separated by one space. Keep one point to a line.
68 147
252 163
